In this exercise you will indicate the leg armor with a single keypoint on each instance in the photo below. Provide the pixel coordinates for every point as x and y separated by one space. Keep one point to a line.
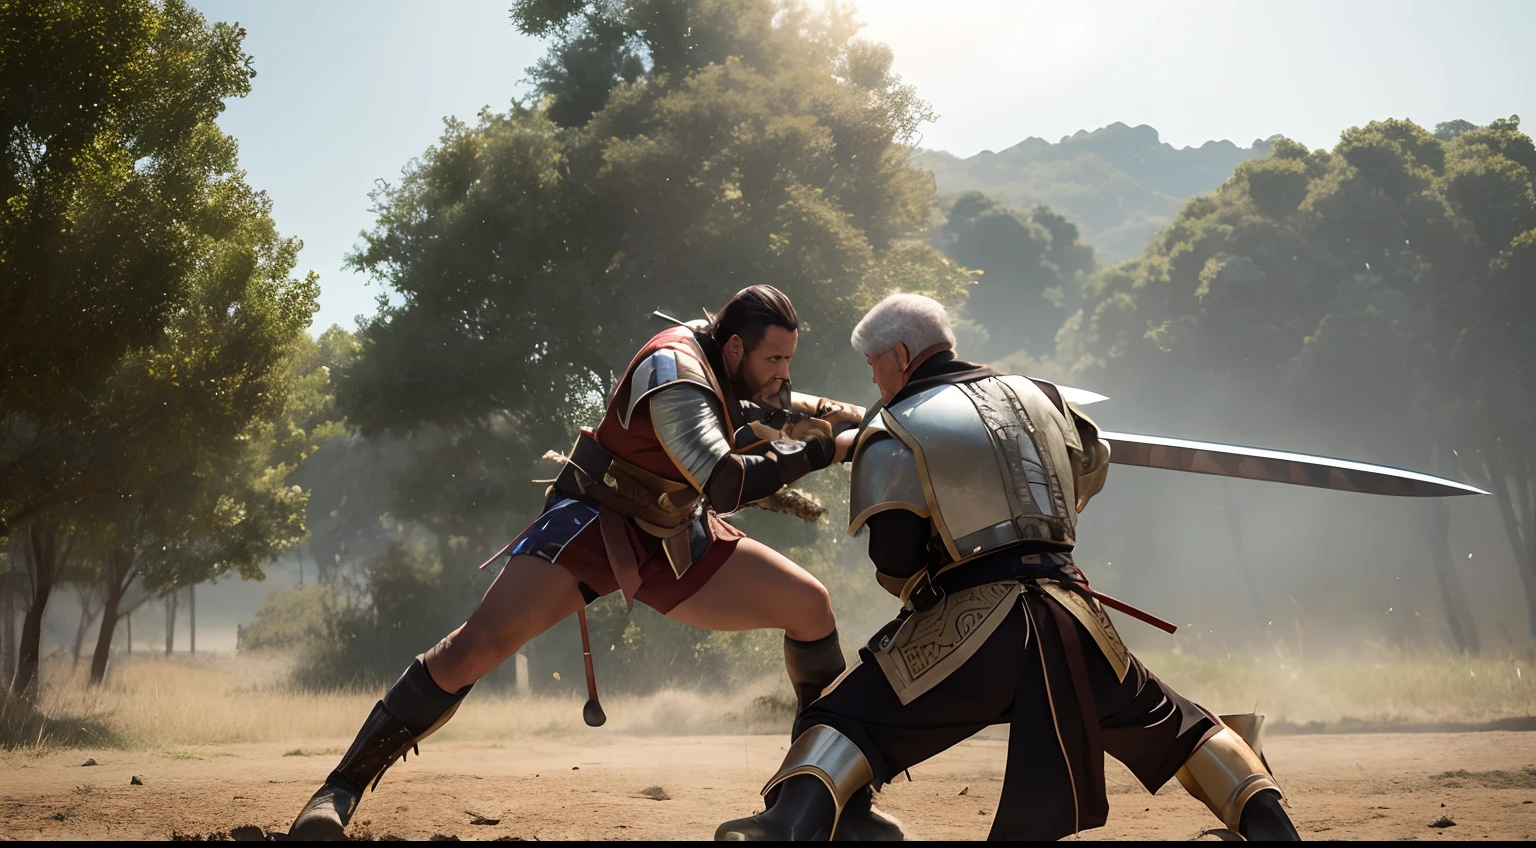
413 709
1226 773
812 666
821 774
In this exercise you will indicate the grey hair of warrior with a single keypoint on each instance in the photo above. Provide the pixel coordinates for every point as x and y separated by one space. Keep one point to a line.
910 319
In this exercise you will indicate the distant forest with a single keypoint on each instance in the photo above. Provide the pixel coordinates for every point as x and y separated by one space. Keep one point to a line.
1119 184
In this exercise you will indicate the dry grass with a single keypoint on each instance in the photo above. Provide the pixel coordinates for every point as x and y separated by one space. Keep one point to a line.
172 704
154 702
1390 687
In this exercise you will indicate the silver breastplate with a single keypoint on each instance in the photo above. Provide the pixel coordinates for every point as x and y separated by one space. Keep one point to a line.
989 457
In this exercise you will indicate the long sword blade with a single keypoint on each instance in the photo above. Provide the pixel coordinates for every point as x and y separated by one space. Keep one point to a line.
1274 466
1079 397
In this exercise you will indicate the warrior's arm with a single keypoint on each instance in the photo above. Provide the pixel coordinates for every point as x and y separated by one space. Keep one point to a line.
898 542
687 422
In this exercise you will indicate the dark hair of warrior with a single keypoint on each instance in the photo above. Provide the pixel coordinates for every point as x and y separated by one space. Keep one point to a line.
750 313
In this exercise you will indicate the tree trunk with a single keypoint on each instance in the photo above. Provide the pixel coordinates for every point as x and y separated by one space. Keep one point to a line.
1522 540
42 564
170 622
128 620
120 576
192 618
1458 616
87 616
8 584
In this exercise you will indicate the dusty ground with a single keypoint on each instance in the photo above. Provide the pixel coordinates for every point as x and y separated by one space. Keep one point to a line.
594 786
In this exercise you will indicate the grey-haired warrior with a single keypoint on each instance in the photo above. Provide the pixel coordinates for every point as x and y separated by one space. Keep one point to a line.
970 483
636 510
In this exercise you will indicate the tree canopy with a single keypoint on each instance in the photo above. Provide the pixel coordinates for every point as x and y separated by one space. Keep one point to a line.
1379 285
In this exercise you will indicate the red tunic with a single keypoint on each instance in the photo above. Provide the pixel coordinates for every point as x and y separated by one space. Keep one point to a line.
585 556
637 444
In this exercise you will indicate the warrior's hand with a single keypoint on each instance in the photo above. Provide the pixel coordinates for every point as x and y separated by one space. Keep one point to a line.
803 429
834 412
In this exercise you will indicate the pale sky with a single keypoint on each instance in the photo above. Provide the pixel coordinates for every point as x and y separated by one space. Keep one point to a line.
348 91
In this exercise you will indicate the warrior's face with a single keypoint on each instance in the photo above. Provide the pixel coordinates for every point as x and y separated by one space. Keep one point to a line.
759 372
890 370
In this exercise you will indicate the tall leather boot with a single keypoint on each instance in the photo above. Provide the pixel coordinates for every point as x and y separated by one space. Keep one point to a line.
411 711
806 798
814 666
1264 820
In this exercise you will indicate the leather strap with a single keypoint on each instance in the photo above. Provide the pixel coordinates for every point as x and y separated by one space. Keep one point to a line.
621 553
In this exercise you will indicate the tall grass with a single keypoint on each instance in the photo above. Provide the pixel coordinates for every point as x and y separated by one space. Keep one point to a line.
156 702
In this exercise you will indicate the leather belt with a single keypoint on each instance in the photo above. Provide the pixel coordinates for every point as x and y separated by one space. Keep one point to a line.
1022 569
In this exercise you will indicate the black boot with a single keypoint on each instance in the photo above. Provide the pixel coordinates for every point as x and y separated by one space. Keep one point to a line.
803 811
863 822
411 710
1264 820
812 666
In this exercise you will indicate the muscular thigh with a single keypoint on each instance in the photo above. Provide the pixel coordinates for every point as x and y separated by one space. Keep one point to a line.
528 597
759 588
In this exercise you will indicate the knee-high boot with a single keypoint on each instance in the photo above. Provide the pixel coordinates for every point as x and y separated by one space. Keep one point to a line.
412 709
812 667
822 772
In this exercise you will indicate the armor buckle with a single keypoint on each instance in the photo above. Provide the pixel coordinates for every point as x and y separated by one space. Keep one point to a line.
920 594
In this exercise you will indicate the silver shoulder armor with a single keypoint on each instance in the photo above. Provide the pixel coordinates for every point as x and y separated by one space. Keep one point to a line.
687 424
884 477
992 457
662 368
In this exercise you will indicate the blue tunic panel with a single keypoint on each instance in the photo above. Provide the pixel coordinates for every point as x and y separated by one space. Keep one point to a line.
548 535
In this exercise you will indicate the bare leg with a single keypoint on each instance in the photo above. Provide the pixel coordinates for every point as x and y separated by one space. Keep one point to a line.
527 598
758 588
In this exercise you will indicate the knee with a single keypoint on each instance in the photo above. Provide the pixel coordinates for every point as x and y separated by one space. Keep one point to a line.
467 654
815 619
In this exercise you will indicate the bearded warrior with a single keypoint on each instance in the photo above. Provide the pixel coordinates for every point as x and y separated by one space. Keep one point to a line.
970 483
636 509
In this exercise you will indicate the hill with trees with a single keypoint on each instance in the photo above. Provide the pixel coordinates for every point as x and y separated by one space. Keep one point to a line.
1119 184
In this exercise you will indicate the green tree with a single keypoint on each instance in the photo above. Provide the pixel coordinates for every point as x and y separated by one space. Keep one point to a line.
107 155
232 389
1033 268
1374 286
113 170
680 152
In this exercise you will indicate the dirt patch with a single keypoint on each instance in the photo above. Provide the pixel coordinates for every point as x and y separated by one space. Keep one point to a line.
1372 786
1524 778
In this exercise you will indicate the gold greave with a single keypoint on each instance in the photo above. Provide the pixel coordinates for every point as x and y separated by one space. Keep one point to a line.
830 757
1248 725
1224 773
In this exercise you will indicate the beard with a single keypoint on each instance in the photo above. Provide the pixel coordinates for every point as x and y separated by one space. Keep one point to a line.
767 394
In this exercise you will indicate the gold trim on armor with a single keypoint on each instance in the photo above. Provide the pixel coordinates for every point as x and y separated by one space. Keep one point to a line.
930 644
1091 613
830 757
895 585
1224 773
